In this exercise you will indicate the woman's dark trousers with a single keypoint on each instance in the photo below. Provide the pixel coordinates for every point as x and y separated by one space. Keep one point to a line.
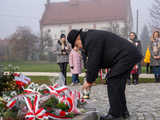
63 68
147 68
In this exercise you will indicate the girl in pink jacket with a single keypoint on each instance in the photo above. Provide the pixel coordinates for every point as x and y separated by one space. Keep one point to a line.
75 62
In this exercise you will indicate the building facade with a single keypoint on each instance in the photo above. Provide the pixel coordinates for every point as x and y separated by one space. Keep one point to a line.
109 15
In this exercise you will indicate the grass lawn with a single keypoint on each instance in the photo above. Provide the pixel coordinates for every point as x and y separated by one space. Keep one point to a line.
34 66
45 80
143 69
41 66
40 79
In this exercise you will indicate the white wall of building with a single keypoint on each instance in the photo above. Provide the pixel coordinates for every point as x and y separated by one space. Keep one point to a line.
56 30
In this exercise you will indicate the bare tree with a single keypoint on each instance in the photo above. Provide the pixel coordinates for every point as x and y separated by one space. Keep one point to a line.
4 53
23 44
155 14
46 43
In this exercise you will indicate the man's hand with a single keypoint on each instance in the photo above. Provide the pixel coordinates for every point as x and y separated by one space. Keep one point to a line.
86 85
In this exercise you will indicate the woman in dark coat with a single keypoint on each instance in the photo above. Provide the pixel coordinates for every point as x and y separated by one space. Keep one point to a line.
107 50
62 51
155 55
137 68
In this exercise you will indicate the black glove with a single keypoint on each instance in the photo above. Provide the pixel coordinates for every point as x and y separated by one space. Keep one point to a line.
72 67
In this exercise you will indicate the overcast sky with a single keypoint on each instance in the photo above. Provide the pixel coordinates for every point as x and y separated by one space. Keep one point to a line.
14 13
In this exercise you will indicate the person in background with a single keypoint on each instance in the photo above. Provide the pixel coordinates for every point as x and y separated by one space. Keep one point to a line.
137 68
147 60
155 55
75 62
62 51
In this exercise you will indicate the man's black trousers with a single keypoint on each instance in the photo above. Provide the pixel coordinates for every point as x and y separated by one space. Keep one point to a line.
117 79
116 94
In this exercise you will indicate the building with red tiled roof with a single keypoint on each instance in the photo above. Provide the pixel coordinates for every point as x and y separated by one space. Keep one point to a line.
111 15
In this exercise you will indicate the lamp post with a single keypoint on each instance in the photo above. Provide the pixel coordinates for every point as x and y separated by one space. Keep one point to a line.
137 23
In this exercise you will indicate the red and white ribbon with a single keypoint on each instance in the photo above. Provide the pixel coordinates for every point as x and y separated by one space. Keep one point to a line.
16 75
74 102
34 111
13 100
21 80
53 90
31 91
11 103
58 90
63 94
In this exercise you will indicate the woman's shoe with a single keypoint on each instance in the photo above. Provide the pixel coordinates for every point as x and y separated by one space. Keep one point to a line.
79 83
72 84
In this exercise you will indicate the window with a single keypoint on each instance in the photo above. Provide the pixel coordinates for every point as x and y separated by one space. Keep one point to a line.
49 30
63 31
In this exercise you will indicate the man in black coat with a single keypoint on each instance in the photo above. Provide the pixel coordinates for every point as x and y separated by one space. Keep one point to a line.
107 50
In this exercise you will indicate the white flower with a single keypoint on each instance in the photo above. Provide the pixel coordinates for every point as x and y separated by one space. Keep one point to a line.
14 93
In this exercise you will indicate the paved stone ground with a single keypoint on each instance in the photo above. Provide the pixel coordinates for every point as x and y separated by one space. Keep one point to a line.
143 100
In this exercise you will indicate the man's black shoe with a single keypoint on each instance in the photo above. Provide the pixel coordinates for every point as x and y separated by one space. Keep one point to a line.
110 117
126 115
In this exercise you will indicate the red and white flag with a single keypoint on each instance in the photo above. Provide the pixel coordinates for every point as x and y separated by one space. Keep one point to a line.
22 80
